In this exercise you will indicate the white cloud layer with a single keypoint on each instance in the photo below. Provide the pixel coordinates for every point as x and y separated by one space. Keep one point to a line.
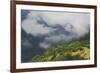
56 26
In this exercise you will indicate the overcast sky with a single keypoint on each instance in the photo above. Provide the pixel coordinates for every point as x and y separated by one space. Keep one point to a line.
56 26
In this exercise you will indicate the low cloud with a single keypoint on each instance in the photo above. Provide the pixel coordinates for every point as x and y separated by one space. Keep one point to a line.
56 26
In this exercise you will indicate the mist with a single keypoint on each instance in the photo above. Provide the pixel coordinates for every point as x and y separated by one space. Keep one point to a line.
56 27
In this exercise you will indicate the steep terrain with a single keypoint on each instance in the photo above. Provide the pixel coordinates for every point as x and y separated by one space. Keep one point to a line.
73 50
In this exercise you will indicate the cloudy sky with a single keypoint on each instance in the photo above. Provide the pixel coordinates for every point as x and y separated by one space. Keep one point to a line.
55 27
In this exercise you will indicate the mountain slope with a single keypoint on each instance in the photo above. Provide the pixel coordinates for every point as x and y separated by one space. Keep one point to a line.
73 50
29 46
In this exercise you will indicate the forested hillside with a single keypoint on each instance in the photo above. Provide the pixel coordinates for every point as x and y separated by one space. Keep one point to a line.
73 50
